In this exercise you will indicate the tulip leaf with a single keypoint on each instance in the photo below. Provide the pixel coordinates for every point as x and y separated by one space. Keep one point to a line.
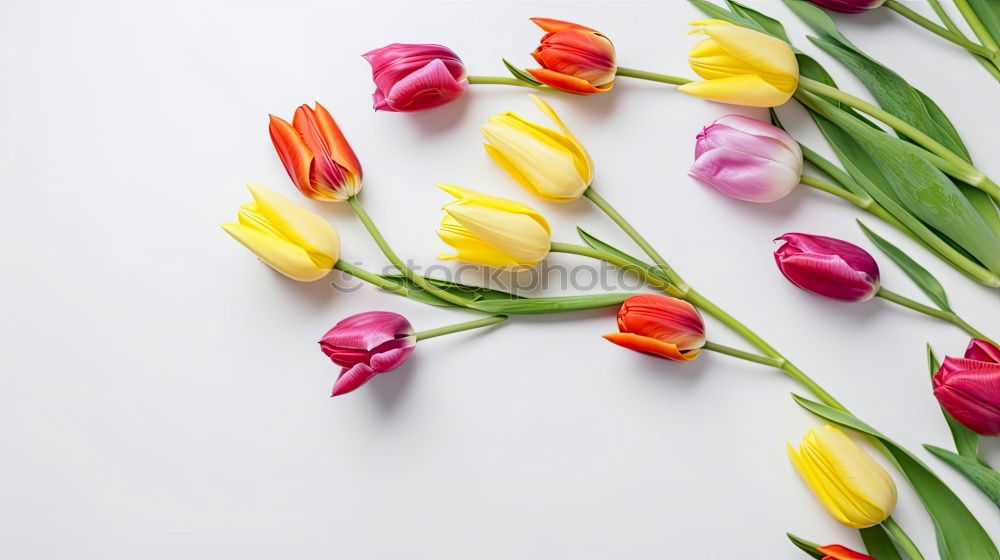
520 74
878 543
983 477
718 12
465 291
768 24
959 535
809 548
927 283
596 243
988 12
534 306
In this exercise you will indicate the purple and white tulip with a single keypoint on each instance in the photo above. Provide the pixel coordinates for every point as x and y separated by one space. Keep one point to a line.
849 6
747 159
828 267
367 344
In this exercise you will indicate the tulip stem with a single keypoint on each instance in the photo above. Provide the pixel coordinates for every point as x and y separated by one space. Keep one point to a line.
651 76
644 273
397 262
748 356
375 279
977 26
940 31
948 316
991 65
459 327
816 183
902 539
499 80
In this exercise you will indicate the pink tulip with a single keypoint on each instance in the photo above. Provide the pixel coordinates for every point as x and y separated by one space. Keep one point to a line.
366 345
849 6
415 77
747 159
969 388
828 267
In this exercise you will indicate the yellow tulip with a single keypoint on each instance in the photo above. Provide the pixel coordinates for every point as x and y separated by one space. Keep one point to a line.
289 238
492 231
741 66
552 165
855 489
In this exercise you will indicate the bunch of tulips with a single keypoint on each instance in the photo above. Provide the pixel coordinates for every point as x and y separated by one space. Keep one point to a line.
738 156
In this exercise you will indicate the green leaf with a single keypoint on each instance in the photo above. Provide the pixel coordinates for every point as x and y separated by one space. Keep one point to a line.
989 13
718 12
924 280
465 291
596 243
959 535
533 306
768 24
985 478
520 74
815 18
879 544
809 548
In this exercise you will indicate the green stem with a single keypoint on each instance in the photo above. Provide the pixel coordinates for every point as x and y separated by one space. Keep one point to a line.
902 539
991 65
651 76
748 356
499 80
948 316
396 261
943 32
362 274
977 26
864 203
468 325
646 274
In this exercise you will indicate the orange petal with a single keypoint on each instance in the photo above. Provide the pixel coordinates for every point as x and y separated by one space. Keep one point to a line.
553 25
292 151
339 147
568 83
651 346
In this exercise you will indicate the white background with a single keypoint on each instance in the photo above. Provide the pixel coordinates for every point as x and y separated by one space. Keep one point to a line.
163 395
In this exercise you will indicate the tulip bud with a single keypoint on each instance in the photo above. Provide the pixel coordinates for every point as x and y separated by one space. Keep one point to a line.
660 326
412 78
574 58
741 66
552 165
365 345
289 238
747 159
969 388
493 231
837 552
852 487
849 6
828 267
316 155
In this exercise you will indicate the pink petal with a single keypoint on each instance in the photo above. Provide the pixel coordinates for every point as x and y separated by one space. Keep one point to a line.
855 257
352 378
760 128
983 351
427 88
826 275
745 176
716 135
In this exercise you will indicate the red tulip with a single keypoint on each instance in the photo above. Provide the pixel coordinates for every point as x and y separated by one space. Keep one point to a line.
837 552
415 77
316 155
661 326
574 58
828 267
969 388
367 344
849 6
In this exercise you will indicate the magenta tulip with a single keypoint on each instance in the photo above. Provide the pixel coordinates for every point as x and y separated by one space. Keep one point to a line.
366 345
828 267
969 388
849 6
747 159
415 77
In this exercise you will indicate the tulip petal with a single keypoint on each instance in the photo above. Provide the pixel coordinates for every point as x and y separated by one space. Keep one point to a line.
837 552
520 235
667 319
584 164
280 254
426 88
542 161
749 90
770 56
652 346
567 83
339 147
745 176
293 153
759 129
829 276
553 25
309 231
470 248
970 391
467 196
982 351
352 378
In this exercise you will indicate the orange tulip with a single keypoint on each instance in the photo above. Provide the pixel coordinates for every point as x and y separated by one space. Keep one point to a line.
574 58
316 155
661 326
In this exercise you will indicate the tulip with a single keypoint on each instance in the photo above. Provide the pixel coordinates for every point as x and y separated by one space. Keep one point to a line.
574 58
747 159
552 165
849 6
828 267
367 344
289 238
741 66
969 388
660 326
837 552
415 77
493 231
852 487
316 155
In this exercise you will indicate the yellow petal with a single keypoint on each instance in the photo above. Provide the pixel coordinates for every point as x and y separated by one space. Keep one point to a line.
515 234
470 197
470 248
309 231
547 168
282 255
710 61
748 90
772 57
584 163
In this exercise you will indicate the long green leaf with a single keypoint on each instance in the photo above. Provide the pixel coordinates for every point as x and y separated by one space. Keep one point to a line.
520 74
924 280
879 544
718 12
534 306
985 478
766 23
960 536
989 13
596 243
806 546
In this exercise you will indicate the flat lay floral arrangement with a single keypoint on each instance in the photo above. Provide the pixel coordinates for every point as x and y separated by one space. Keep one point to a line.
900 161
